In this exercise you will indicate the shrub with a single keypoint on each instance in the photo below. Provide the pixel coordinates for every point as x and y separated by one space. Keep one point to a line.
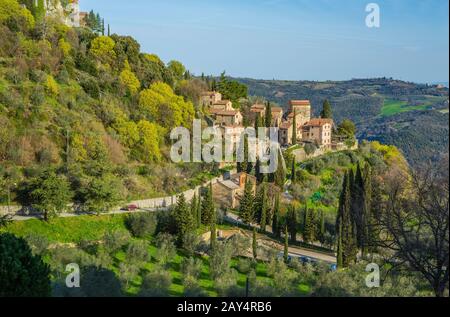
115 240
191 267
38 243
156 284
244 265
190 243
142 225
137 252
166 248
192 287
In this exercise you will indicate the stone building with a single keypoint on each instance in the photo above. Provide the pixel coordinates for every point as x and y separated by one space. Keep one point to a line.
228 193
259 110
228 118
285 133
318 131
209 98
302 107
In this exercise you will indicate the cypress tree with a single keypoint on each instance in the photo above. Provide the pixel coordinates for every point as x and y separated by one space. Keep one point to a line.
194 209
268 116
109 30
199 211
259 176
340 261
264 208
276 230
254 245
280 174
293 176
358 206
321 228
246 212
213 238
244 166
308 225
208 209
286 245
294 129
183 217
345 224
326 111
292 223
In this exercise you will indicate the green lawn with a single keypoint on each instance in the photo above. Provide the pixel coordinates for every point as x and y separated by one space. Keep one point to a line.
69 230
392 107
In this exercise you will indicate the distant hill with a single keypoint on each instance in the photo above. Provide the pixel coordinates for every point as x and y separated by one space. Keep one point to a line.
412 116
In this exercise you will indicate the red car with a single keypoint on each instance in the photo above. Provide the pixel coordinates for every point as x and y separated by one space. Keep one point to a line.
131 207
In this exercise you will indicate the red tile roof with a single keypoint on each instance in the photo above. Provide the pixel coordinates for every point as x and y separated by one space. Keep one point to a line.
318 122
300 102
228 113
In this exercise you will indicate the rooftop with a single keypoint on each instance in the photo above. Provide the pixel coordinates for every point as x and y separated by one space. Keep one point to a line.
300 103
318 122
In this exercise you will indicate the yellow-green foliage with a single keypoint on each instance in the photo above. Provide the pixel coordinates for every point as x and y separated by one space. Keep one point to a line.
51 86
153 58
149 141
12 9
102 48
391 153
129 80
65 47
160 103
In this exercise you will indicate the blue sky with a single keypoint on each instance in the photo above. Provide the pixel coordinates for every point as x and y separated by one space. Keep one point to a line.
289 39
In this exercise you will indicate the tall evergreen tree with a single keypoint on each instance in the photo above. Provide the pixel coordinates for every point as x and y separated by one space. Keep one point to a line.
276 229
293 176
109 30
183 217
246 212
213 238
292 223
321 228
194 210
280 173
208 209
308 225
345 224
326 113
286 245
268 115
294 129
259 176
358 206
254 245
244 166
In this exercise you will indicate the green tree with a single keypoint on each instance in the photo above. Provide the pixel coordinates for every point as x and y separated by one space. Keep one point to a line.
347 128
102 48
268 115
294 129
293 174
292 223
254 245
345 224
308 225
326 113
246 212
280 173
286 245
276 229
22 274
178 70
101 194
208 209
213 239
183 218
321 228
49 193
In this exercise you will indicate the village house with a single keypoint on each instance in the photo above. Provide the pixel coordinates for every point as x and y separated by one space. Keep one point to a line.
69 13
222 105
285 133
259 110
302 107
209 98
228 193
318 131
228 118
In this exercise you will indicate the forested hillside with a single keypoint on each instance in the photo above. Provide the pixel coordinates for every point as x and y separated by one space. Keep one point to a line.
88 112
414 117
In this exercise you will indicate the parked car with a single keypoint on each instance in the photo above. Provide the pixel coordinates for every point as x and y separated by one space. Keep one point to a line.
130 208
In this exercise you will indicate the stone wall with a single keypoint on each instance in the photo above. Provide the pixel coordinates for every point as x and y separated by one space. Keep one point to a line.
300 154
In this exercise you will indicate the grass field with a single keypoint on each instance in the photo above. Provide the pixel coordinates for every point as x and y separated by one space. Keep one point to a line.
392 107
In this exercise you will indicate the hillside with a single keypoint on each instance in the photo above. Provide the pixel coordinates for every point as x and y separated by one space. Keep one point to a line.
413 117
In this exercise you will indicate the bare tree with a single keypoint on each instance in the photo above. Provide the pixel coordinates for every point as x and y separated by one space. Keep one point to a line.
415 223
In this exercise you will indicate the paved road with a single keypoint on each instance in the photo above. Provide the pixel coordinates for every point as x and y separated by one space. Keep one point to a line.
293 250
